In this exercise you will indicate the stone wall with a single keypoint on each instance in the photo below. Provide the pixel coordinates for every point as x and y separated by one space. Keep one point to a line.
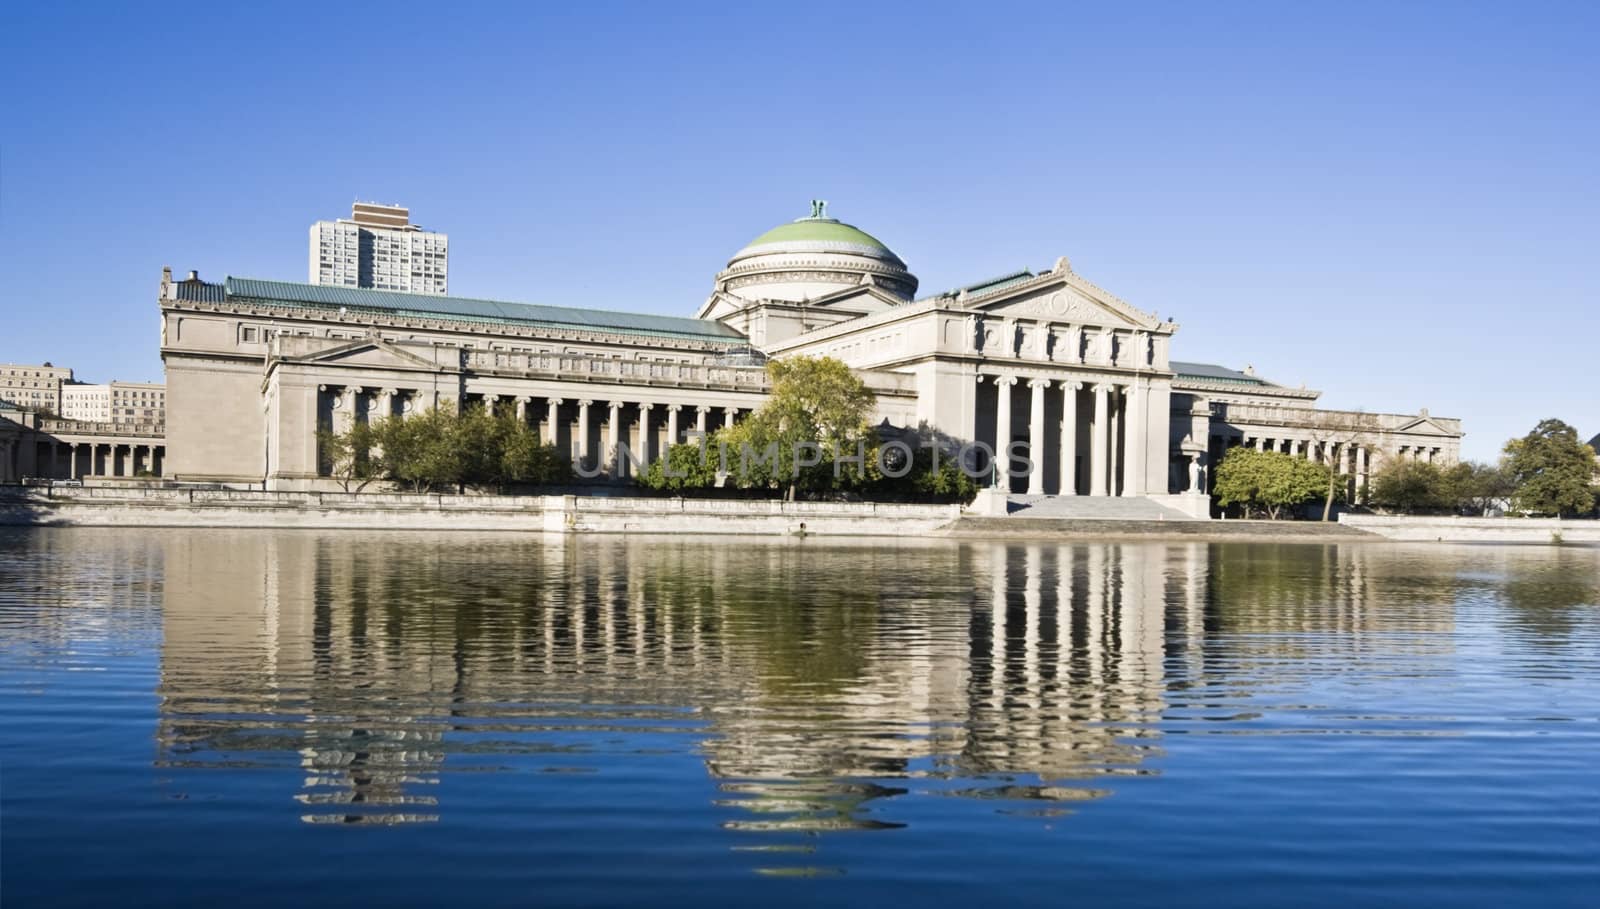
110 507
1476 530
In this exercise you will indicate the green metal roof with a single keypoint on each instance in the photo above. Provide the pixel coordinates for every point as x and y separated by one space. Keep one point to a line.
1211 372
992 284
465 309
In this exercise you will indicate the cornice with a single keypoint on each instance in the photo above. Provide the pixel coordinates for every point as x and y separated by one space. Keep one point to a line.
367 319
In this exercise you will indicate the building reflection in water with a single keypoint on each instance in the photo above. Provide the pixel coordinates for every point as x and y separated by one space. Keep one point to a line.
817 680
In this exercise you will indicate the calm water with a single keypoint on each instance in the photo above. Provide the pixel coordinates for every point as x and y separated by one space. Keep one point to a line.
255 718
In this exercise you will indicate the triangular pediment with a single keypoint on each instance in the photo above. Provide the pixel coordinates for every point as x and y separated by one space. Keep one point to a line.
862 299
367 353
1059 298
1423 426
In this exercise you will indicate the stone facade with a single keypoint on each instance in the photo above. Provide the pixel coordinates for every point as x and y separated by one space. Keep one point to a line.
1075 381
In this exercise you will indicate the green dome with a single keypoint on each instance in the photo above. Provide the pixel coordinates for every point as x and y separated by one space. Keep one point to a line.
819 230
818 234
813 257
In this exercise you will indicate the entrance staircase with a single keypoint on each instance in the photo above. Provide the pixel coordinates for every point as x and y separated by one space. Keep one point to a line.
1092 508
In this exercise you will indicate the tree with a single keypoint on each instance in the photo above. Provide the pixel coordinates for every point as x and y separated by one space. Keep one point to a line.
1473 487
1551 470
1270 481
1340 431
348 455
523 458
814 401
1409 486
684 467
420 450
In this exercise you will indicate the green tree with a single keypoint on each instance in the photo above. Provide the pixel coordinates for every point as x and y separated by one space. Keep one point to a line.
1267 481
523 458
1473 487
1409 486
818 411
420 450
348 455
684 467
1551 470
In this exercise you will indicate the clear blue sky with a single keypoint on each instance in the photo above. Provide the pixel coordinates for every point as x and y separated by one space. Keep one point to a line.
1395 203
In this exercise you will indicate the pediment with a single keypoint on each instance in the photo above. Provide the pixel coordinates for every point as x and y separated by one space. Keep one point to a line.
1061 301
368 354
864 298
1423 426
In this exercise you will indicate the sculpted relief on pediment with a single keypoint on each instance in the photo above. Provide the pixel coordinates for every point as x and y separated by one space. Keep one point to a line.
1061 304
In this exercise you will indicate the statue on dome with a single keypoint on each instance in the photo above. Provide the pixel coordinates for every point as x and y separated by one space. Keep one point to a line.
819 208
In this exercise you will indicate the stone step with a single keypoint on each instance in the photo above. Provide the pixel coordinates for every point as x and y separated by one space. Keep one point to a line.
1100 508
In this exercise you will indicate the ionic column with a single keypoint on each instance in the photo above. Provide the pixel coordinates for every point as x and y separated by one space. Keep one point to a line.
644 433
1133 441
1002 430
1119 403
553 405
1261 443
582 445
700 412
614 438
489 402
345 414
1069 438
672 424
522 409
727 416
1036 436
1100 441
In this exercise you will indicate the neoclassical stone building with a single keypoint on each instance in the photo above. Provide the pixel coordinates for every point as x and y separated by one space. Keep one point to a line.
1081 380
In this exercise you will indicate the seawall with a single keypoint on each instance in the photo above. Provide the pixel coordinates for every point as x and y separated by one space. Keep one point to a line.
109 507
1206 531
1475 530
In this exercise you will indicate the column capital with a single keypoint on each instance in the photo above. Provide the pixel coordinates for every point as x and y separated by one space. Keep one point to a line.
390 391
1103 387
674 408
524 399
615 405
557 401
1005 380
703 408
644 406
1070 385
1038 383
585 402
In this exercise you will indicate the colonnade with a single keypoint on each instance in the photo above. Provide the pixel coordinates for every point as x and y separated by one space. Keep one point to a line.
75 460
1352 459
591 430
1099 449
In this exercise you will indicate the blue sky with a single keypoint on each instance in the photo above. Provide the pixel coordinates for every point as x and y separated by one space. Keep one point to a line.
1395 203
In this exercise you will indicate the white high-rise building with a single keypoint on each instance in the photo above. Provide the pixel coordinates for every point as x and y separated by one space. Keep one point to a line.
114 402
379 247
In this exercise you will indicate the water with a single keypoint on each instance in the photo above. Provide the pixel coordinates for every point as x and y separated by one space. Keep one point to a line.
275 718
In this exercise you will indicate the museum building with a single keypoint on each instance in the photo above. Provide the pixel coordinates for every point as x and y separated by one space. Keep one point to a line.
1083 380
